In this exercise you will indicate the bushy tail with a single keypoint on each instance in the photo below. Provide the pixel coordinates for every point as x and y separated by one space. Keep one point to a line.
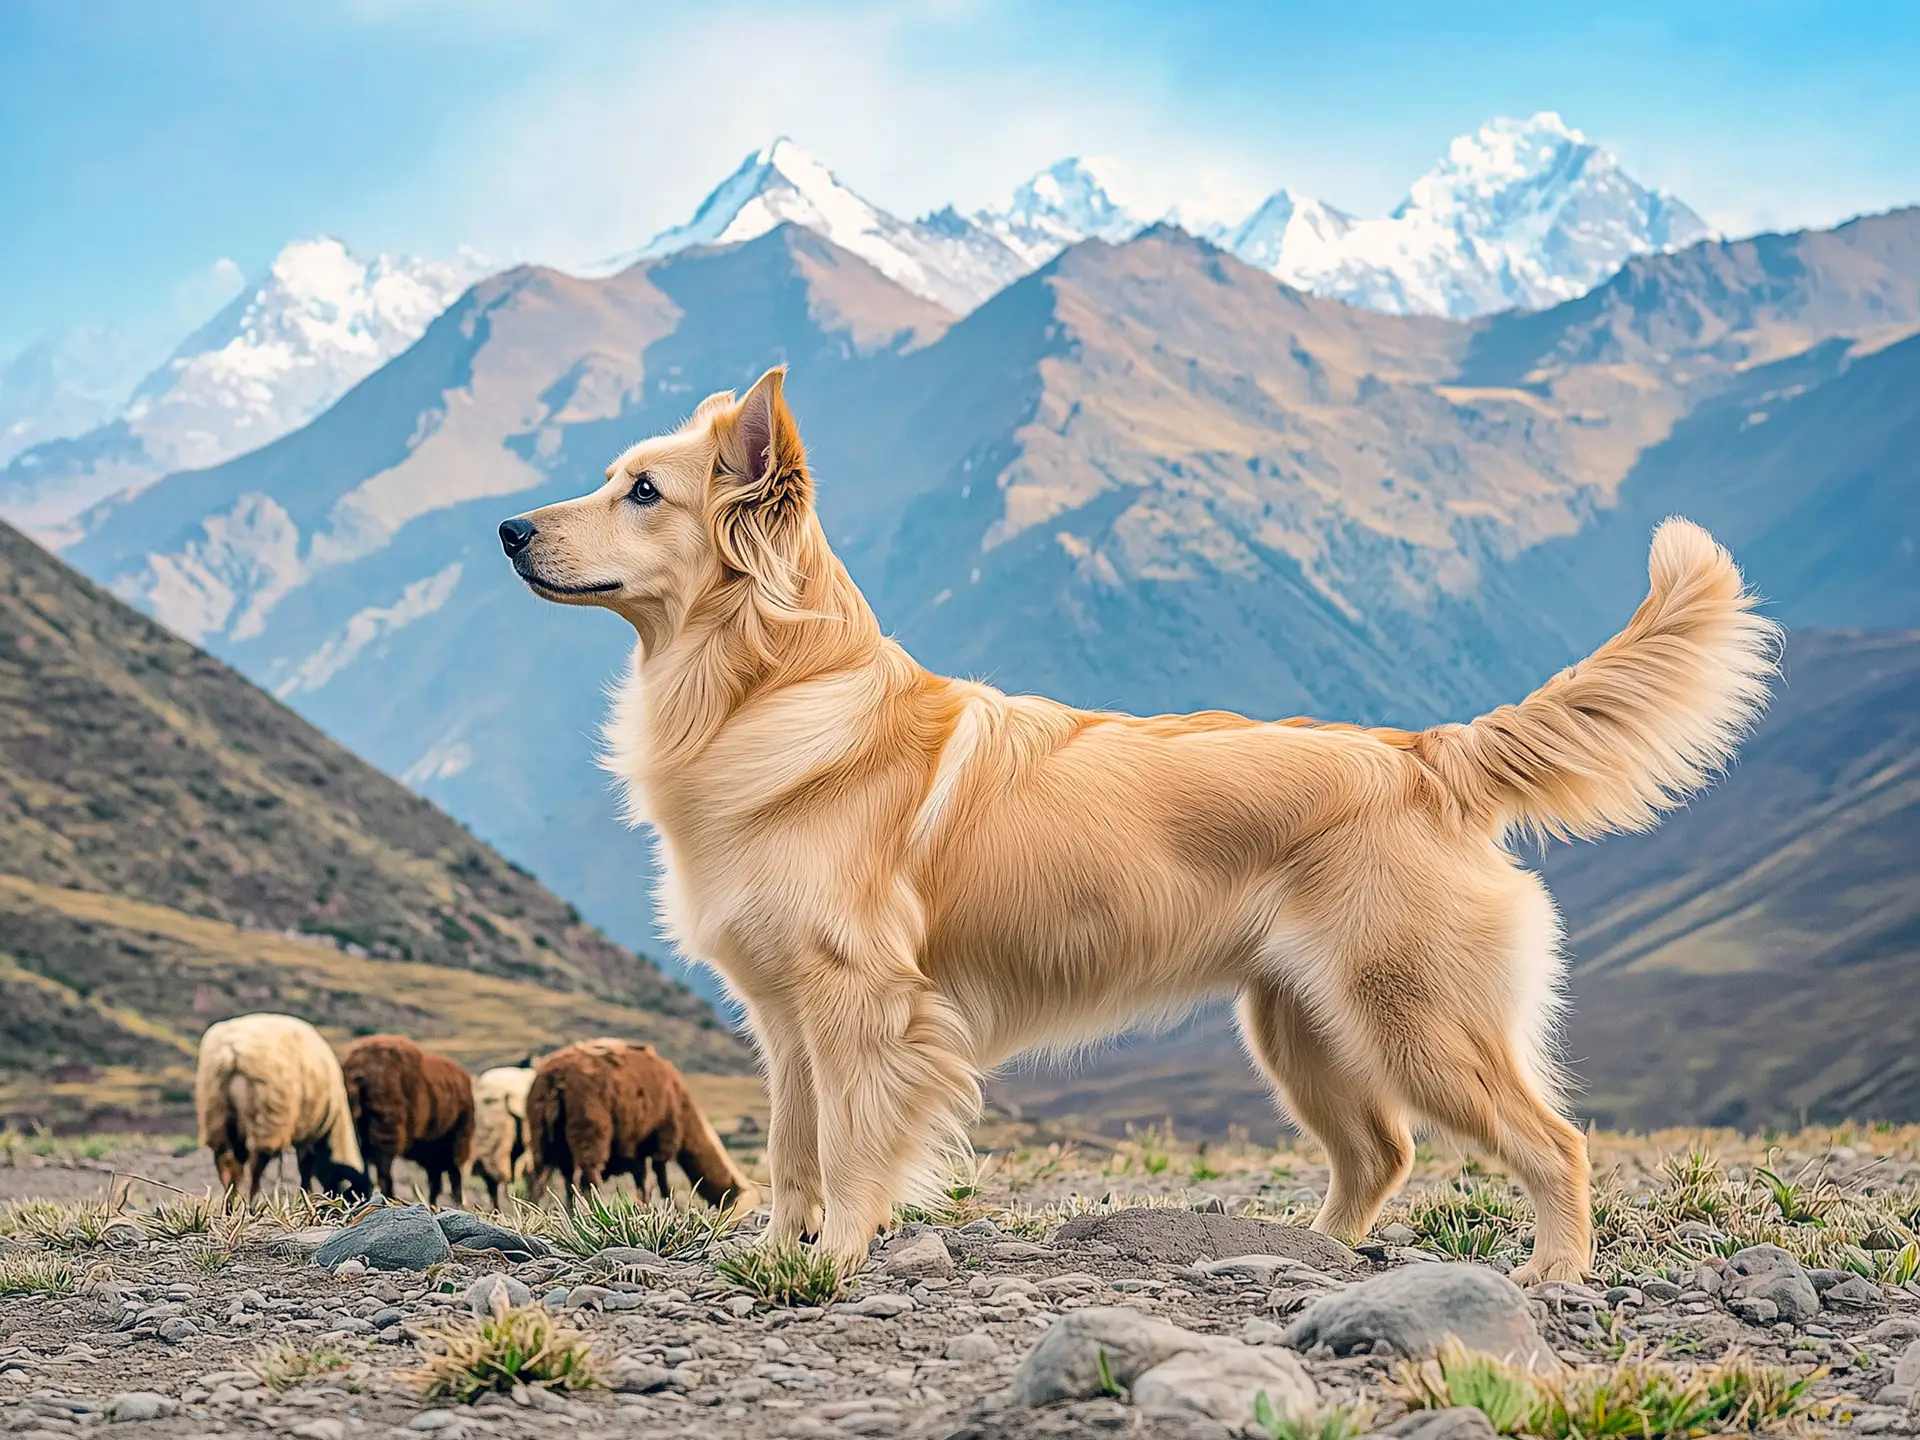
1628 733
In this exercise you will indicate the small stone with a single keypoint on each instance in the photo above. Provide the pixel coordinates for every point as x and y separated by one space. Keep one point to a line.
385 1316
490 1293
739 1306
1624 1295
1154 1235
1020 1250
1397 1234
1222 1379
1416 1308
1856 1292
1263 1332
1264 1270
1462 1422
140 1405
1906 1370
326 1428
1895 1327
878 1307
350 1269
1766 1272
923 1257
430 1420
1660 1290
976 1347
178 1330
620 1257
638 1377
1754 1309
393 1237
555 1298
1065 1365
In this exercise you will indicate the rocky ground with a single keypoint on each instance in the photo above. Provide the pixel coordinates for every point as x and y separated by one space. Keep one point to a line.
1143 1288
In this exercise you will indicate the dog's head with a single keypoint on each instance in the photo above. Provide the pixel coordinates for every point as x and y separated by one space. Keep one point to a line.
722 502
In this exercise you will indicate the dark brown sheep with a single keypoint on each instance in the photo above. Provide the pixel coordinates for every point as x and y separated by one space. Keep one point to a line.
412 1105
605 1107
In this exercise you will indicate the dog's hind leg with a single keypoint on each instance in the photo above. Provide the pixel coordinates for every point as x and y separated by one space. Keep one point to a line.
894 1083
1364 1130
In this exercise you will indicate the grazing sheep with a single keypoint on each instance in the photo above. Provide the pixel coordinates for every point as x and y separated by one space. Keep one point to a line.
268 1083
500 1126
605 1106
412 1105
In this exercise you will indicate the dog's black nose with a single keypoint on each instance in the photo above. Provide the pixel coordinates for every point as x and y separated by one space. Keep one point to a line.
515 535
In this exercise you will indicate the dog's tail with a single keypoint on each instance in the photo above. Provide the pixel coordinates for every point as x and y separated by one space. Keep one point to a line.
1632 730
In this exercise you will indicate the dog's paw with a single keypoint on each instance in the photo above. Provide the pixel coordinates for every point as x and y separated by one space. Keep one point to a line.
1548 1267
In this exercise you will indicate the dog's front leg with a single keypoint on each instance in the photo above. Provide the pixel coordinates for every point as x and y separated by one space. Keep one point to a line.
894 1082
793 1133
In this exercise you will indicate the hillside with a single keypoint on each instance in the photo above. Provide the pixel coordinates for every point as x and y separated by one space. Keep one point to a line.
1749 964
175 846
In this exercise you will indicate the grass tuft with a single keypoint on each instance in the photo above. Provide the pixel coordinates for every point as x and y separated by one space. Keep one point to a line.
28 1273
672 1231
281 1365
178 1218
522 1346
783 1274
1335 1422
1636 1396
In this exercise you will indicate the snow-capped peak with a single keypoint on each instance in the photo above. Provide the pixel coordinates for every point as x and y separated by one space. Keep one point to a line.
1065 203
1522 212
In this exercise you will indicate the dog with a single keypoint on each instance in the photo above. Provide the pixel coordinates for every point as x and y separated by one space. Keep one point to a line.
906 879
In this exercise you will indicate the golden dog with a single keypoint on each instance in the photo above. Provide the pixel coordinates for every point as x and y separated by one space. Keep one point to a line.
907 879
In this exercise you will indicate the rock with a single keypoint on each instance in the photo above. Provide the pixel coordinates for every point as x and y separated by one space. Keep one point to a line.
1624 1295
460 1228
1413 1310
140 1405
1895 1327
307 1239
1223 1379
1856 1292
581 1296
428 1421
1462 1422
178 1330
1265 1269
1065 1365
555 1298
1262 1332
1660 1291
1397 1234
1754 1309
392 1237
324 1429
618 1257
1180 1237
976 1347
878 1307
1906 1370
1020 1250
638 1377
385 1316
1766 1272
481 1295
923 1257
350 1269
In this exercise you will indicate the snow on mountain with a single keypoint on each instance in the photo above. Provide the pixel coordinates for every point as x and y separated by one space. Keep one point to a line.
320 320
1064 204
1521 213
65 384
945 258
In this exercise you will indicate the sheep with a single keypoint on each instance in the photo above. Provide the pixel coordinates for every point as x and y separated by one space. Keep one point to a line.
500 1126
268 1083
412 1105
605 1106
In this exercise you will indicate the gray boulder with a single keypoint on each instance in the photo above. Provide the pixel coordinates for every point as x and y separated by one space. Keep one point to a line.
1766 1272
1222 1379
1415 1309
495 1292
460 1228
1462 1422
1065 1365
1157 1236
393 1237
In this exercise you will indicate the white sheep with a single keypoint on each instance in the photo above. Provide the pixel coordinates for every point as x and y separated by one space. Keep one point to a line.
500 1126
268 1083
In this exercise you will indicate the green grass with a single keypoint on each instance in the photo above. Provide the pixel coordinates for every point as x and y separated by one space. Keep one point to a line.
281 1365
522 1346
672 1231
783 1274
178 1218
1335 1422
28 1273
1470 1219
1634 1398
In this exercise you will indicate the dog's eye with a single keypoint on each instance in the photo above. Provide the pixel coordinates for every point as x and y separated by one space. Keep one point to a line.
643 491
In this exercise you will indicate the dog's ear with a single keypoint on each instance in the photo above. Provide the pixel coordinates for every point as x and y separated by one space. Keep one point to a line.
761 491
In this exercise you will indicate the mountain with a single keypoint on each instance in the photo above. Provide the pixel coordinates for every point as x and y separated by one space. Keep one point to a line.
1521 213
1145 475
946 258
176 846
64 384
285 349
1064 204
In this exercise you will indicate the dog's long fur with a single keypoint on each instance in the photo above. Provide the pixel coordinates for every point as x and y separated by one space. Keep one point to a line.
908 878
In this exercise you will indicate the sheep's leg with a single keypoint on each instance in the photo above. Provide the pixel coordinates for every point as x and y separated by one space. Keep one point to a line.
256 1167
493 1190
660 1176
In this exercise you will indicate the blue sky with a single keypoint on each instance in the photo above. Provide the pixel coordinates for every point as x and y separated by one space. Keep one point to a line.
144 146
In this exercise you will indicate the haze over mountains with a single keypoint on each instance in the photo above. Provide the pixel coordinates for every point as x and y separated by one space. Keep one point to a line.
1145 474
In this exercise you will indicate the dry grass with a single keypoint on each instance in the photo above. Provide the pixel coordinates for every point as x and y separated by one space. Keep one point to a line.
526 1345
1335 1422
27 1272
281 1365
672 1230
1635 1396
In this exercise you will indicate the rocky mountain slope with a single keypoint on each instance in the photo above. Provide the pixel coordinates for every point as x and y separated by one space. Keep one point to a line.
289 345
175 846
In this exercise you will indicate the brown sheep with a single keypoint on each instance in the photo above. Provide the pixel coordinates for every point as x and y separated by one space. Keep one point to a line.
412 1105
607 1107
